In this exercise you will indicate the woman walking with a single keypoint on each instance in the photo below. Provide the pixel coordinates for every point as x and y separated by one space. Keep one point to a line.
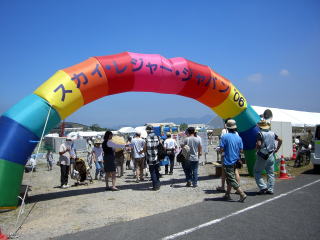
109 147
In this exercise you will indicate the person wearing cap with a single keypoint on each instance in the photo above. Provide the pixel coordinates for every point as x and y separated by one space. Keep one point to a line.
97 157
191 167
64 160
266 146
170 146
151 149
231 144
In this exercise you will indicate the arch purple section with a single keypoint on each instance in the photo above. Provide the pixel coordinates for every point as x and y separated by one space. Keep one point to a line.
18 142
249 138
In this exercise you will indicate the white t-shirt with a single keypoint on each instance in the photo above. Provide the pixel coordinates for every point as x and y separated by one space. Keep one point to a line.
98 152
170 143
137 146
64 158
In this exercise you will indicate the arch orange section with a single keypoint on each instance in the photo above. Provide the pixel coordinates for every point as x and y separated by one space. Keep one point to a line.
90 79
217 91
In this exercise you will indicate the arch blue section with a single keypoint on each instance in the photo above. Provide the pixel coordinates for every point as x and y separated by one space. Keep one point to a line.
247 119
31 112
17 141
249 138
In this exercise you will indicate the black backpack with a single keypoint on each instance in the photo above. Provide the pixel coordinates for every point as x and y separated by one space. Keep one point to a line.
161 151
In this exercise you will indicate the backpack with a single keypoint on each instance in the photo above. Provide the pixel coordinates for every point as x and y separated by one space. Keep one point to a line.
161 151
184 154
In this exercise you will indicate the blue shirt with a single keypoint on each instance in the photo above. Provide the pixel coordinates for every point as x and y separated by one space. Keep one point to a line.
231 144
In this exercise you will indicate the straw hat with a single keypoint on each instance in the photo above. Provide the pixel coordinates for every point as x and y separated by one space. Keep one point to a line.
118 140
263 124
231 124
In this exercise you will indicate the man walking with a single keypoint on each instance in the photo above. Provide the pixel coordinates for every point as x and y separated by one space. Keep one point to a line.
170 145
64 160
231 144
266 146
152 143
191 168
138 146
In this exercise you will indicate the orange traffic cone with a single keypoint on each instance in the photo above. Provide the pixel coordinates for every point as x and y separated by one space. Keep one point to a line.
2 236
283 171
294 154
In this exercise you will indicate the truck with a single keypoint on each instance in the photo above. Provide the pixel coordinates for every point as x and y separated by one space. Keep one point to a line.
315 152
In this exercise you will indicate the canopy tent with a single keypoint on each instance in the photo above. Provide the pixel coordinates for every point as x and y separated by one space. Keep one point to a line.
142 131
126 130
296 118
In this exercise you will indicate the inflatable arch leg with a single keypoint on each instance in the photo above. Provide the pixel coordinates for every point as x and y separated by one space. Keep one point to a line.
71 88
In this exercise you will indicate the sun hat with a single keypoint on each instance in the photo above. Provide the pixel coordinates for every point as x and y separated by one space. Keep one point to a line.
231 124
263 124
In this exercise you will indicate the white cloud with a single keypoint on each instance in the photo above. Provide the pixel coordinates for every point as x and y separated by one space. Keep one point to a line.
255 78
284 72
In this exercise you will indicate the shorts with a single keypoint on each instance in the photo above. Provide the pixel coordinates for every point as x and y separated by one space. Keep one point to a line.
231 176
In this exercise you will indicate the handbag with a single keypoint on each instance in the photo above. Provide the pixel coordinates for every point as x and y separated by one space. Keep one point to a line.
264 156
165 161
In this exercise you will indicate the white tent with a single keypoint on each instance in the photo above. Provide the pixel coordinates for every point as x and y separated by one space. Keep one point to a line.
142 131
296 118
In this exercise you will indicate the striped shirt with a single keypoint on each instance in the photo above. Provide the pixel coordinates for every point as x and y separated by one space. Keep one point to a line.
152 143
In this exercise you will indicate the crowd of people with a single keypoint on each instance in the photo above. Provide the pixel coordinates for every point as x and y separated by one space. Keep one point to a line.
138 154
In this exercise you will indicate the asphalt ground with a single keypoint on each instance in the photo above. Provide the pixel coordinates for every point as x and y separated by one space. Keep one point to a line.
291 213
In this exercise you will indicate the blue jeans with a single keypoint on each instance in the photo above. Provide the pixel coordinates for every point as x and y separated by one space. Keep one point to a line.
187 170
194 165
99 168
267 165
155 175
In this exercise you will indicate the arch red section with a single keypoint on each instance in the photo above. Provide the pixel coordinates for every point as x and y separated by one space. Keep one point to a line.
118 69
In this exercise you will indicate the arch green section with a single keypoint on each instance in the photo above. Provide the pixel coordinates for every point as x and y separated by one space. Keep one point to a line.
11 175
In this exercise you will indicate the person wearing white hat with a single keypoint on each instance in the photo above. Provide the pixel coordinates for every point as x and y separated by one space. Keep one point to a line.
97 156
64 161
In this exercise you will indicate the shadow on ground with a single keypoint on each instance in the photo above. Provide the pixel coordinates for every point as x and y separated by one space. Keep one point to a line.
142 186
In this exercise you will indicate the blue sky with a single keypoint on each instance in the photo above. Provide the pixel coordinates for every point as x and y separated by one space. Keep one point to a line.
270 50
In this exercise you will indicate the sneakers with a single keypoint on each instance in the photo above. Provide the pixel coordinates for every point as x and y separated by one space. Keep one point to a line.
188 184
156 188
65 186
269 192
262 191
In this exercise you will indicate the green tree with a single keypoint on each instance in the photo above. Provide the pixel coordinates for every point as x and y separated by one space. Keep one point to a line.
96 127
183 126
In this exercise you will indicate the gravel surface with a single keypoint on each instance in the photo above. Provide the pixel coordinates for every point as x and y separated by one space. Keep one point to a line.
51 211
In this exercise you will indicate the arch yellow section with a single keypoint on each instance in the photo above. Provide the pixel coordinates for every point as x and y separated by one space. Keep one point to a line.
233 105
62 93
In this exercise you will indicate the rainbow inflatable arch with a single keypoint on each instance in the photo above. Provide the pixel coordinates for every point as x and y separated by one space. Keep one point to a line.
22 126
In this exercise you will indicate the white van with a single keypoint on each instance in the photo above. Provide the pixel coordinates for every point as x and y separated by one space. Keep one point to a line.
315 154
